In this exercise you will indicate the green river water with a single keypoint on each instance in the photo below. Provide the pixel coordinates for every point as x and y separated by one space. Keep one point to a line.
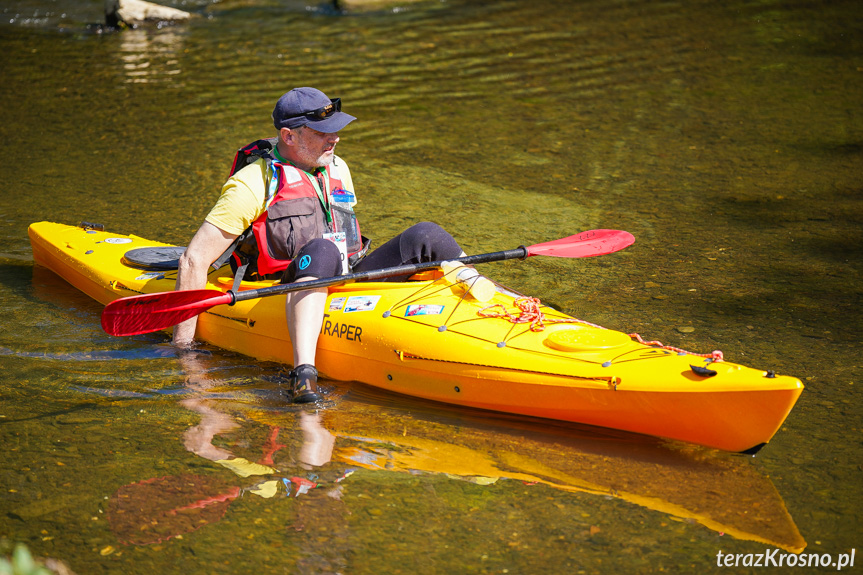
727 137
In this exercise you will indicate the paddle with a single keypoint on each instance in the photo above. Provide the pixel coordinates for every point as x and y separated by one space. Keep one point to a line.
153 312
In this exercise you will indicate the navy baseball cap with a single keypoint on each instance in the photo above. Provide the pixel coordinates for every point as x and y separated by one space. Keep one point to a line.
310 107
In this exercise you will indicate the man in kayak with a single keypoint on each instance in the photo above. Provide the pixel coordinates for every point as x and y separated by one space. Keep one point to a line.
296 204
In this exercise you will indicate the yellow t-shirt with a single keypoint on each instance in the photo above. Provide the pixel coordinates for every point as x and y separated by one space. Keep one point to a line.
245 193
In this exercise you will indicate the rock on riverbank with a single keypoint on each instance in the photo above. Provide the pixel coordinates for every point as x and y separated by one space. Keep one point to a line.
134 13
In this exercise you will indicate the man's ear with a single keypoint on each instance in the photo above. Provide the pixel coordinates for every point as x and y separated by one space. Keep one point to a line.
288 136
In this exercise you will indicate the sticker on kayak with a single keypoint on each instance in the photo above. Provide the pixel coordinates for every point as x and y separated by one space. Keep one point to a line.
337 303
361 303
150 276
423 309
118 240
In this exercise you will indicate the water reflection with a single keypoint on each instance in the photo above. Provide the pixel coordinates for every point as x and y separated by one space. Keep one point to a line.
150 56
278 453
157 509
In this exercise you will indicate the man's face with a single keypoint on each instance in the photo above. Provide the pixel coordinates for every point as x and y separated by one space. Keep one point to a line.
315 149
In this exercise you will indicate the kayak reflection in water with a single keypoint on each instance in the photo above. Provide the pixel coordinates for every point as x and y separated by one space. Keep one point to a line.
298 459
287 212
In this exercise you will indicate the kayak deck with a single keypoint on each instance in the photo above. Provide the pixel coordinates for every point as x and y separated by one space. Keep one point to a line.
426 339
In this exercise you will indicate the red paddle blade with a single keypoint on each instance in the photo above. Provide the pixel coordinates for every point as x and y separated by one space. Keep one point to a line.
584 245
154 312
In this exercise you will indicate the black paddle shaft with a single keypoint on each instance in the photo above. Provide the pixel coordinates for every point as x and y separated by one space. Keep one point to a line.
403 270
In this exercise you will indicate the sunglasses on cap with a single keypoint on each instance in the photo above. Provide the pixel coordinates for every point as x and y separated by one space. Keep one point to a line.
323 112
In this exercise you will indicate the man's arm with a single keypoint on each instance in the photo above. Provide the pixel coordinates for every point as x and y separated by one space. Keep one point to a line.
208 244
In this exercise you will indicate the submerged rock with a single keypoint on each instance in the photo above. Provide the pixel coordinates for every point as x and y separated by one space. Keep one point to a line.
134 13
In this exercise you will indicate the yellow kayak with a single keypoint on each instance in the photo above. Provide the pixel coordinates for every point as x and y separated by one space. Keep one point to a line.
428 339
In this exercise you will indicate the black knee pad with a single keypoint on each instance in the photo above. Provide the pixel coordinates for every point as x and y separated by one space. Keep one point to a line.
319 258
427 241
